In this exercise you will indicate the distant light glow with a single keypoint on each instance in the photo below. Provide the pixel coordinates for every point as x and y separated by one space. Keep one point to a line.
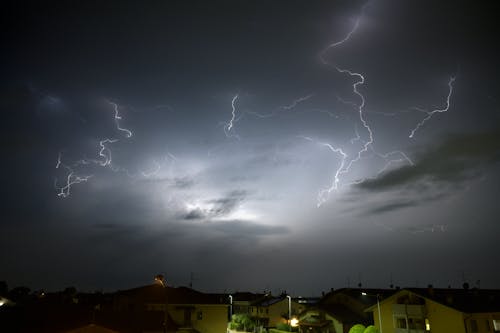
240 214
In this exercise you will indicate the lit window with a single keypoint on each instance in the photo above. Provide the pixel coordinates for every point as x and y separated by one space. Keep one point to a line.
199 315
427 325
496 325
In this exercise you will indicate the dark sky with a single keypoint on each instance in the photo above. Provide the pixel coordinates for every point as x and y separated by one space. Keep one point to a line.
279 145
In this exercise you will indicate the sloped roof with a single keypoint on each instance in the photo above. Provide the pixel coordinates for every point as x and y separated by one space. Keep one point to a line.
182 295
468 301
246 296
342 313
92 328
357 294
463 300
269 301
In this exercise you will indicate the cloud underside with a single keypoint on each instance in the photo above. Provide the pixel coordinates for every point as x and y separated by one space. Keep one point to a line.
437 171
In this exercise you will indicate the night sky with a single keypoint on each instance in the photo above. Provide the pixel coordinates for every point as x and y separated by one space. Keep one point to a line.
278 145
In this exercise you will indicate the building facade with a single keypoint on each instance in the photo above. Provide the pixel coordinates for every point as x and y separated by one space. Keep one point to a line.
419 310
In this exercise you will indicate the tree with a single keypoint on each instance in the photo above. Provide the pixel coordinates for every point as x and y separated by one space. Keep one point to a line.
283 327
358 328
371 329
241 322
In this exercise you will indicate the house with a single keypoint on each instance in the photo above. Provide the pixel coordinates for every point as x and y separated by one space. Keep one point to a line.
242 301
420 310
339 310
271 310
146 309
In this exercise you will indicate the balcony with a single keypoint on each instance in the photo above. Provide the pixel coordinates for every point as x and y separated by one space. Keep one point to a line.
409 310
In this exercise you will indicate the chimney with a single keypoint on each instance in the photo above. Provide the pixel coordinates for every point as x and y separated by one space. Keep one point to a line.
430 289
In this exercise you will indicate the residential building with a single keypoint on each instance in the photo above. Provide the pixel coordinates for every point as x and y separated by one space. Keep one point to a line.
271 310
338 310
242 301
145 309
420 310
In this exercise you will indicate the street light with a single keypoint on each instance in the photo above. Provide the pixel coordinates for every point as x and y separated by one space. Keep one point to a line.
378 307
289 312
231 307
161 280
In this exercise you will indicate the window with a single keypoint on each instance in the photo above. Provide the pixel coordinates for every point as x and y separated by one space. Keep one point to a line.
199 315
473 325
400 322
488 327
416 323
427 324
496 325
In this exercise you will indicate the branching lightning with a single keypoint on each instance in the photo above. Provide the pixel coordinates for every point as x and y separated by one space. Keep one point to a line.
71 178
104 160
324 194
359 80
431 113
368 144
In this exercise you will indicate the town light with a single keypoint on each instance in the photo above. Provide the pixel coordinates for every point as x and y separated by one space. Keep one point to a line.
294 322
378 308
230 307
289 311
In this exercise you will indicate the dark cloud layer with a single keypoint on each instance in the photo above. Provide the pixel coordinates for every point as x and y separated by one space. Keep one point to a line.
456 159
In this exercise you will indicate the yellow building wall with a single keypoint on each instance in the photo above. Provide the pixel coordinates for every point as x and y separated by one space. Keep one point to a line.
214 318
481 319
277 310
443 319
387 318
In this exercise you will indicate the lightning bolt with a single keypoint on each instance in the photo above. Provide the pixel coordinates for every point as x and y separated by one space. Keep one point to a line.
71 178
346 161
105 159
296 102
229 125
128 133
431 113
359 80
105 152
